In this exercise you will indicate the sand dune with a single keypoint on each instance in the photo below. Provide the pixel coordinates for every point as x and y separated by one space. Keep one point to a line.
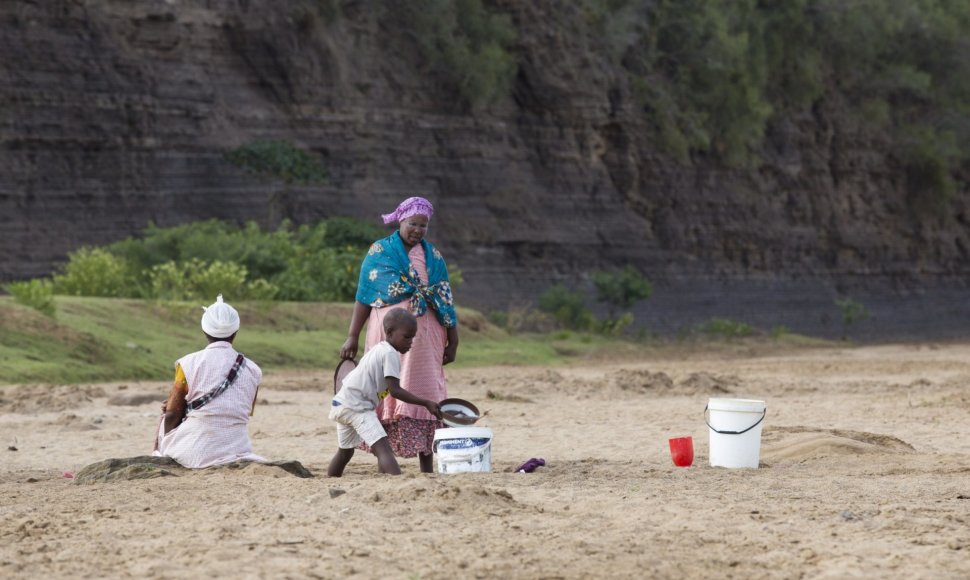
800 444
865 454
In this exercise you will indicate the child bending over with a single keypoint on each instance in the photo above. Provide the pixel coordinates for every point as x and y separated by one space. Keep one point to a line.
377 376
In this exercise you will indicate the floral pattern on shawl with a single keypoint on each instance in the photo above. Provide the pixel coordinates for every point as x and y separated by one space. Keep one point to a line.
388 277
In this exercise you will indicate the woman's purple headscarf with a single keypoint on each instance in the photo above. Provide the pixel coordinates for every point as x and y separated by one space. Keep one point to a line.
409 207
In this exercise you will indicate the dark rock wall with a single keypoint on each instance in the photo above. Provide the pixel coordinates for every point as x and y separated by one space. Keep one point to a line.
117 113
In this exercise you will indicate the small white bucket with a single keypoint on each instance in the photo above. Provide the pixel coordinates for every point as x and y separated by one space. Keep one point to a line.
735 430
463 449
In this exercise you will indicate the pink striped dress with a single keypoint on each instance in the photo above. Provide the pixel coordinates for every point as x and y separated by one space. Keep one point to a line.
410 428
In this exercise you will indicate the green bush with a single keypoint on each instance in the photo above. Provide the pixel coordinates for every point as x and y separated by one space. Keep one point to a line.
169 281
499 318
911 56
192 261
226 278
324 274
325 261
710 77
340 232
567 306
95 272
618 290
852 311
621 290
519 318
455 276
260 290
701 80
37 294
726 328
197 280
927 155
780 331
278 159
615 326
603 17
265 254
467 44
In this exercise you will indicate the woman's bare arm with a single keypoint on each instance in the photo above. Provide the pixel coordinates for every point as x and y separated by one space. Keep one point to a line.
176 404
357 320
451 349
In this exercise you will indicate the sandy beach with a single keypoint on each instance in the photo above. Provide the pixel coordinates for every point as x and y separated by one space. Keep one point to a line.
865 473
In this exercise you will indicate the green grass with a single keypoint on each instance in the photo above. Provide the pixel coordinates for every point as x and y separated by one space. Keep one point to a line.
106 339
115 339
101 339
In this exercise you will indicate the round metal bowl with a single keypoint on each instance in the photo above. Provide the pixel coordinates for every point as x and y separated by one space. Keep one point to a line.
459 412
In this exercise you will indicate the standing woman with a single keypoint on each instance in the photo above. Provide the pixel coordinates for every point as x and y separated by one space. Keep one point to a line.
404 270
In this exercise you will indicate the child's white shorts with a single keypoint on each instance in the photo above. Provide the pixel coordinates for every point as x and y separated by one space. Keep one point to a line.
356 426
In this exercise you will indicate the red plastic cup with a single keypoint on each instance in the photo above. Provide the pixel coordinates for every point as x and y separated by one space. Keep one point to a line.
682 451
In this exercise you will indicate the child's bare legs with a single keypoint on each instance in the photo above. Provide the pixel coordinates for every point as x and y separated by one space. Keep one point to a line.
386 463
379 468
339 462
426 461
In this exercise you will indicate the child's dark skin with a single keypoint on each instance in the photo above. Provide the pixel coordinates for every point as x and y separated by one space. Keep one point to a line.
400 336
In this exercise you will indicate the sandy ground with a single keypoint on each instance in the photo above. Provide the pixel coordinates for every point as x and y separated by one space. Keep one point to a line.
865 473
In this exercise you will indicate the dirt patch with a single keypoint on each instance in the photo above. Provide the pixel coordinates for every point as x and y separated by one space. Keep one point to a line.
136 399
148 467
524 384
72 422
455 496
39 398
321 381
703 383
507 397
640 381
644 382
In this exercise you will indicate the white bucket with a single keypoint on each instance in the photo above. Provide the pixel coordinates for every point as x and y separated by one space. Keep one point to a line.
463 449
735 430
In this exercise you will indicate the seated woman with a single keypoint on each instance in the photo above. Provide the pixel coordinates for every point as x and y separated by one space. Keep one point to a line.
206 417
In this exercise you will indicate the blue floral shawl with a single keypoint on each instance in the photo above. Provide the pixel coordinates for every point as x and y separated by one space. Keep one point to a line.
388 277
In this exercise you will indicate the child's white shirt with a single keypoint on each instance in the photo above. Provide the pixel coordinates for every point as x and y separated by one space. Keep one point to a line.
364 387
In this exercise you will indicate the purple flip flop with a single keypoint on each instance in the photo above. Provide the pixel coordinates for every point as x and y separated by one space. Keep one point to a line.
530 465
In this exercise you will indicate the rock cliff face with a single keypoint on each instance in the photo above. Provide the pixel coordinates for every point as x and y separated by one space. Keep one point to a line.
117 113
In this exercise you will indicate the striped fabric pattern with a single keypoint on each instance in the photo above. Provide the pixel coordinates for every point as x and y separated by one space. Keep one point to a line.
218 432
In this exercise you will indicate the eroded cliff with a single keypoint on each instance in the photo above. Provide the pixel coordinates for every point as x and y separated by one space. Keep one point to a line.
114 114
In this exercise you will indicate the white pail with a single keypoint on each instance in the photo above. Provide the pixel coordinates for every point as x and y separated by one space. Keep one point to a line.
463 449
735 429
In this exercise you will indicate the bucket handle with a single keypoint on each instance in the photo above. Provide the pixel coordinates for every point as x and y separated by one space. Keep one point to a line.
763 413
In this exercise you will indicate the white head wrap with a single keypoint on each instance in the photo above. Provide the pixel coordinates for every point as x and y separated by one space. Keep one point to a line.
220 320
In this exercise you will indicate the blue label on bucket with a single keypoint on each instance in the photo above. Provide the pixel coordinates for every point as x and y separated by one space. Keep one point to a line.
463 443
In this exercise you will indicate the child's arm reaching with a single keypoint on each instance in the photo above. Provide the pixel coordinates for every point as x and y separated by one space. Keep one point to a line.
395 390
